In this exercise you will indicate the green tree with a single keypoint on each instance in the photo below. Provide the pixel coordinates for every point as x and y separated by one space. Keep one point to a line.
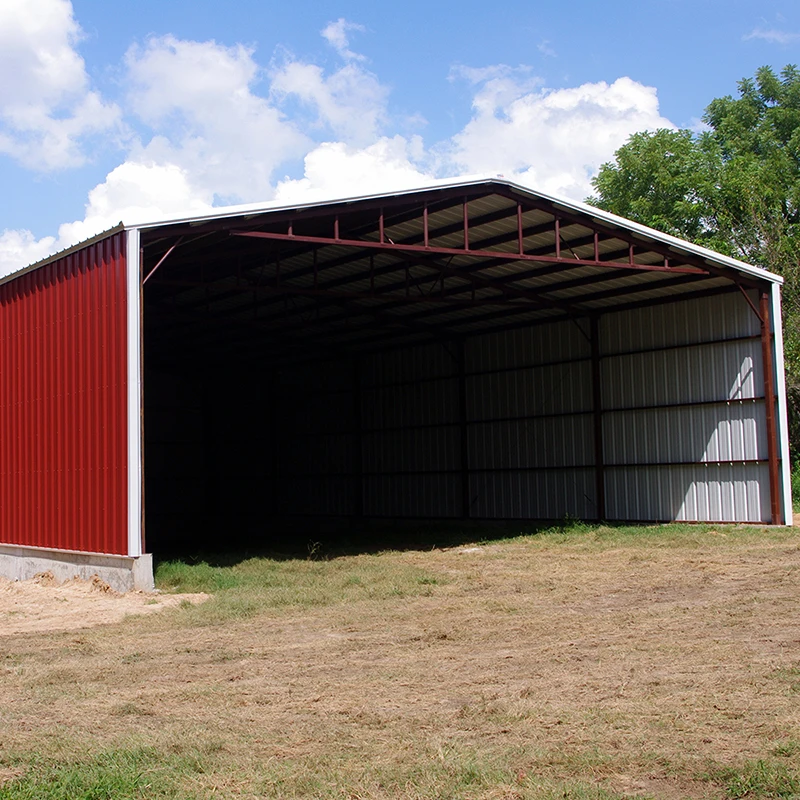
735 187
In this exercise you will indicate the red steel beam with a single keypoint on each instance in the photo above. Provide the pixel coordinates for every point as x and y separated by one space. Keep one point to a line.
454 251
627 236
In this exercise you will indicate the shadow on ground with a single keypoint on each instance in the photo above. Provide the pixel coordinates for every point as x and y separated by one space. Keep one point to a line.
327 539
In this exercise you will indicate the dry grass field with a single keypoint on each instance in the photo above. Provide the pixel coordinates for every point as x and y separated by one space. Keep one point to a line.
581 662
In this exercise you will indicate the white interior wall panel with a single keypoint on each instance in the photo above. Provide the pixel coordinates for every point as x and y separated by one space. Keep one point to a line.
545 494
684 428
708 372
708 319
683 423
529 423
734 431
540 344
692 493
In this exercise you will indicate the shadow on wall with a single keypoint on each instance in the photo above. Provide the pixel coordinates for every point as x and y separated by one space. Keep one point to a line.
231 456
703 457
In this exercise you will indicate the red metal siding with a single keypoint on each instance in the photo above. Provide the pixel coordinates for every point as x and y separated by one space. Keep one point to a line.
63 409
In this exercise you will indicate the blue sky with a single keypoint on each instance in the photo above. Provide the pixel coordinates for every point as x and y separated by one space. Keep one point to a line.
136 110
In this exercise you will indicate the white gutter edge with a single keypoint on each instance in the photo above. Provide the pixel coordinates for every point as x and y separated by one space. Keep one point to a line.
783 417
134 395
680 245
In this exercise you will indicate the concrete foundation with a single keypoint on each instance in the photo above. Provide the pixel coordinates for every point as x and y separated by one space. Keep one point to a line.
122 573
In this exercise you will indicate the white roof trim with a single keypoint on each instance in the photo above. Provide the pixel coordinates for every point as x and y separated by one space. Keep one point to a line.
256 209
568 205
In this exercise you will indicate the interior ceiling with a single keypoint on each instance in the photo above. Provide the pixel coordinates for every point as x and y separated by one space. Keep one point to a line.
350 278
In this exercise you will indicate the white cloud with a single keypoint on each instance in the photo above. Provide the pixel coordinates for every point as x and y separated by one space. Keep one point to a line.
498 85
552 140
335 33
199 100
772 35
335 170
350 103
47 108
20 248
131 193
214 126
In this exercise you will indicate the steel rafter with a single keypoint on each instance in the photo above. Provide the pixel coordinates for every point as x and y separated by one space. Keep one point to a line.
454 251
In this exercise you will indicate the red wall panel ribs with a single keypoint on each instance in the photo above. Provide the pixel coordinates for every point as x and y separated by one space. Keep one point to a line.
63 410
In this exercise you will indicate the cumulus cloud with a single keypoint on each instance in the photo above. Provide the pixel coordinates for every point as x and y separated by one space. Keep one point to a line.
772 35
131 193
20 248
350 102
199 101
210 125
335 170
47 107
552 140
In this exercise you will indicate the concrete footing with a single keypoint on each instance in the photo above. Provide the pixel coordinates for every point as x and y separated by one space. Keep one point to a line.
121 573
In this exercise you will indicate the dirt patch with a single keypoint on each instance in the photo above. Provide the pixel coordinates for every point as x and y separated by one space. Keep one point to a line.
41 605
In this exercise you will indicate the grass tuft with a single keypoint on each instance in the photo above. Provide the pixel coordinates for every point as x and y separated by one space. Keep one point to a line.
257 585
137 774
761 780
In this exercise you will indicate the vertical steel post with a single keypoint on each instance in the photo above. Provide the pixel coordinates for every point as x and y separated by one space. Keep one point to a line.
142 515
274 417
358 460
134 334
558 237
462 423
769 400
597 411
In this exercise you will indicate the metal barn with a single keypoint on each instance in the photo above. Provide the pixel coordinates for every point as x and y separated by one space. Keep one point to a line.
475 350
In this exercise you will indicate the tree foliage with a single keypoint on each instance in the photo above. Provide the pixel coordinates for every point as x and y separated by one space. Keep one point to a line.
733 187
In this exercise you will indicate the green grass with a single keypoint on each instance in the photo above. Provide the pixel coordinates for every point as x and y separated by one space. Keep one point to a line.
259 584
254 585
796 487
137 774
764 779
146 774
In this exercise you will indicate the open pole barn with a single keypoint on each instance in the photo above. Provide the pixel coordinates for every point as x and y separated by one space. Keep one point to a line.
474 350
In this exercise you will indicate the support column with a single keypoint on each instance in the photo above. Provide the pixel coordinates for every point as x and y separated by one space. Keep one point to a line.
358 461
462 424
597 418
769 400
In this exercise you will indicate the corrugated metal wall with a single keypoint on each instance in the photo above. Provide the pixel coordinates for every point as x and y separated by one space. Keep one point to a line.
684 430
529 423
63 410
410 433
496 426
509 420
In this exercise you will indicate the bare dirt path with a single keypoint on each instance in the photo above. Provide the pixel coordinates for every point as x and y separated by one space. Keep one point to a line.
40 605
